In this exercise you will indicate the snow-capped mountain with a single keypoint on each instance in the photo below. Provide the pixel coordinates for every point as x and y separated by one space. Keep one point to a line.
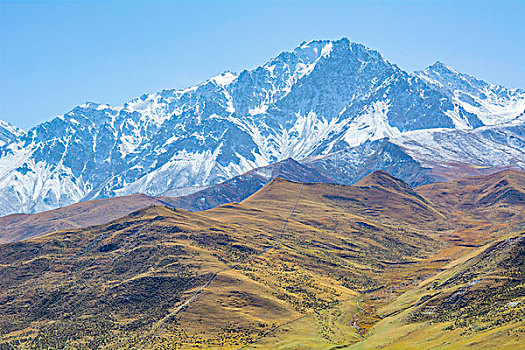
424 156
492 104
9 133
320 98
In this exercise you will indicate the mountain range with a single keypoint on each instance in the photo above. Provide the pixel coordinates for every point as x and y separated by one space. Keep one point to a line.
337 107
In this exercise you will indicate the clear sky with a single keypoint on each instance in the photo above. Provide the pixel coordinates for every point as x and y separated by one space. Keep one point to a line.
58 54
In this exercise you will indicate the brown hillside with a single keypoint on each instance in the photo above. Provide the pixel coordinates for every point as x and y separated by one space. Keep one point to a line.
25 226
499 196
478 302
392 202
386 181
128 281
296 265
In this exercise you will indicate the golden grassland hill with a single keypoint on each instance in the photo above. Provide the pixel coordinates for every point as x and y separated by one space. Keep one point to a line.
17 227
499 196
240 187
94 287
477 302
325 224
479 209
126 282
479 312
452 171
379 197
445 196
96 212
254 274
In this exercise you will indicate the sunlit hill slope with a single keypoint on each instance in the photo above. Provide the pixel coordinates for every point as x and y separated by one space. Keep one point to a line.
295 265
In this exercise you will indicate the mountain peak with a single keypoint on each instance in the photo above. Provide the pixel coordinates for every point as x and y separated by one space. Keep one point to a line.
322 42
311 51
383 179
439 64
225 78
9 132
440 67
322 97
94 105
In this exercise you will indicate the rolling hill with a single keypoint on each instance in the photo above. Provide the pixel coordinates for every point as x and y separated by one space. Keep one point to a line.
500 195
17 227
242 186
476 302
295 265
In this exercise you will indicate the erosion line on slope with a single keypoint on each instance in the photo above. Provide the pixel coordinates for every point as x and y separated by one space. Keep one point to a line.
162 323
431 188
289 216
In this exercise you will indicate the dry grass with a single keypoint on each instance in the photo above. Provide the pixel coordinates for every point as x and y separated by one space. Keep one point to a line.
349 255
90 213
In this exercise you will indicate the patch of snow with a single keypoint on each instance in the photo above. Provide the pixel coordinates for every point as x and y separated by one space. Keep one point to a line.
224 79
258 110
371 125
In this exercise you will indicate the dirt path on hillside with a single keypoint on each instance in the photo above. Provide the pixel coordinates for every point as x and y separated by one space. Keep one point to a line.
162 323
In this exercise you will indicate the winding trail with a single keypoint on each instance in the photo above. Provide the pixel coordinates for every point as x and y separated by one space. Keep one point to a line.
163 322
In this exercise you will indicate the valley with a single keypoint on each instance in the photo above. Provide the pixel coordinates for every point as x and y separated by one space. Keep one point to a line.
197 175
295 265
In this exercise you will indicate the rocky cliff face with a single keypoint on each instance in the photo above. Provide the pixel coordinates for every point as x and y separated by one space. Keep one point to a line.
9 133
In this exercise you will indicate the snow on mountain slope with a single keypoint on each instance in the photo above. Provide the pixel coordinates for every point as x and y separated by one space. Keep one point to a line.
492 104
499 146
322 97
424 156
8 133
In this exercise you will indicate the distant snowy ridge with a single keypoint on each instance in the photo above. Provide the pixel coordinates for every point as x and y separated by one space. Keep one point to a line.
492 104
9 133
320 98
430 155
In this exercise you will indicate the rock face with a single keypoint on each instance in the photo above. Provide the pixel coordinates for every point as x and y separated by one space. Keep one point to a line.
322 97
424 156
9 133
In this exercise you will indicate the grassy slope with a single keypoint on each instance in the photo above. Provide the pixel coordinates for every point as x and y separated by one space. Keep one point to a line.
26 226
478 302
114 285
349 255
470 303
156 259
496 197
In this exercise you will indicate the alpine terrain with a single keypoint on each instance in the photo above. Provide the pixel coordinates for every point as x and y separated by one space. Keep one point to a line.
337 107
296 265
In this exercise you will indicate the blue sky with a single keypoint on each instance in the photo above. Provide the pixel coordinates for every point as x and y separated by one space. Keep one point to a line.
58 54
